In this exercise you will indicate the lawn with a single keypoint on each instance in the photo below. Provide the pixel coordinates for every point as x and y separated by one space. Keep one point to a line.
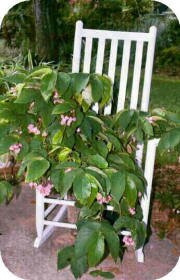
165 92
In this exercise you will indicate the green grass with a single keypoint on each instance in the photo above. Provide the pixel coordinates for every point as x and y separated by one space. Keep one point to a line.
165 92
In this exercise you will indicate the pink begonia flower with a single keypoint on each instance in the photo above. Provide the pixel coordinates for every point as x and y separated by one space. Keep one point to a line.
66 120
139 194
128 241
32 185
132 211
68 169
101 199
44 188
33 129
56 99
44 134
69 121
16 148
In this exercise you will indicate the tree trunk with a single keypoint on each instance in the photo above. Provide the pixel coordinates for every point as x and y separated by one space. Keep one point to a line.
46 29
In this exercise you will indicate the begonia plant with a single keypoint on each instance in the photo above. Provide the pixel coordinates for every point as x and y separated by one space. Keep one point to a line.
62 146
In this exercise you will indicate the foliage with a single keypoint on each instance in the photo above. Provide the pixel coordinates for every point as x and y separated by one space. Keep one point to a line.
63 146
19 26
169 60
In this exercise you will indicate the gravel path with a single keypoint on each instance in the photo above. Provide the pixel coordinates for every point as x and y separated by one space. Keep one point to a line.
17 233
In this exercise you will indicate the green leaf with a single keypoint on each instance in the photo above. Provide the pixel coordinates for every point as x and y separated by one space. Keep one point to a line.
27 95
79 266
16 78
101 148
130 190
36 168
68 179
96 249
66 164
107 90
62 108
98 161
39 72
58 136
147 127
64 154
84 236
6 142
139 235
103 274
97 87
6 191
169 140
82 187
124 222
123 118
122 159
112 239
56 178
80 81
117 185
114 140
63 82
48 83
65 256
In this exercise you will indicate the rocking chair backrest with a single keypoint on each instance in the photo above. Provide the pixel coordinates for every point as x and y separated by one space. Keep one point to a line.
88 36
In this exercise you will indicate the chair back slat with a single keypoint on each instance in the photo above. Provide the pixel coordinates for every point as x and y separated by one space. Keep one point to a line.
112 68
87 55
116 38
100 56
136 75
148 69
124 75
77 47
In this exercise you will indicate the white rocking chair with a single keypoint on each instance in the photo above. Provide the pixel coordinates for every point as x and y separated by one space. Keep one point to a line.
46 227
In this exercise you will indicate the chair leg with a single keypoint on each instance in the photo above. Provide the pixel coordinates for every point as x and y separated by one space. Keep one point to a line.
39 218
148 173
139 255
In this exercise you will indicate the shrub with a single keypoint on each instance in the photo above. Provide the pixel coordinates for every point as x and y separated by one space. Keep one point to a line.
63 146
